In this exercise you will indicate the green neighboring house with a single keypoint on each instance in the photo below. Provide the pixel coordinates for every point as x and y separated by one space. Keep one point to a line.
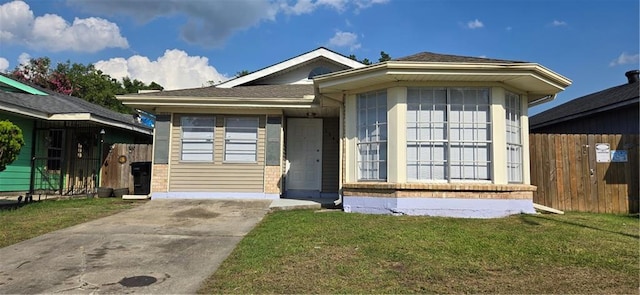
66 140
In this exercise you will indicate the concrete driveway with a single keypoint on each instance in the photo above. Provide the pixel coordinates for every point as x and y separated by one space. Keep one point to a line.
164 246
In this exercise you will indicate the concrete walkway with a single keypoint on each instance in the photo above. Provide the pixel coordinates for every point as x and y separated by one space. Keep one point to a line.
161 247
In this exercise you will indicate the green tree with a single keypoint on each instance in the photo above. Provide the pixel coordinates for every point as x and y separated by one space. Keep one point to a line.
384 57
242 73
79 80
11 142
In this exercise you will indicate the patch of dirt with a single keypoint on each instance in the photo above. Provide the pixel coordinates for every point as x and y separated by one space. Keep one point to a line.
196 213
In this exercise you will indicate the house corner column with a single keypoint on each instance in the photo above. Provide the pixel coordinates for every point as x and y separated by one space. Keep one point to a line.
524 119
161 151
498 132
397 134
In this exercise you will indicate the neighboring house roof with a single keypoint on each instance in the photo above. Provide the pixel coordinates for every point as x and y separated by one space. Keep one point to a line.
58 107
7 84
600 101
319 53
437 57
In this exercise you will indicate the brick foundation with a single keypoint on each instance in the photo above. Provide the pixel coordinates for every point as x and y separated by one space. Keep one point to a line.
440 190
159 178
272 179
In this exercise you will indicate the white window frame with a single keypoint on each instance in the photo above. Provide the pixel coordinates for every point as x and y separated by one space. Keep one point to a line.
202 136
513 121
248 140
465 143
372 149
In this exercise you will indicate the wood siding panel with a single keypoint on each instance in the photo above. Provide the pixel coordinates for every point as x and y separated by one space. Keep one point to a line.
216 176
564 169
118 175
17 176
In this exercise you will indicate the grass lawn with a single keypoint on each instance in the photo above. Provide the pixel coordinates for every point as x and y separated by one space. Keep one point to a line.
335 252
42 217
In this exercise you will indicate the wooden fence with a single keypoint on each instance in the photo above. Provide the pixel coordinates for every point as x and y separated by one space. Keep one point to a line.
116 168
570 177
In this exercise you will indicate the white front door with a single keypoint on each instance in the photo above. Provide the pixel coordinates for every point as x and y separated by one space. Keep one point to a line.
304 155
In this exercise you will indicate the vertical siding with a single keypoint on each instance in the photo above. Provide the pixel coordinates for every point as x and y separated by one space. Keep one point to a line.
18 174
568 177
216 176
330 154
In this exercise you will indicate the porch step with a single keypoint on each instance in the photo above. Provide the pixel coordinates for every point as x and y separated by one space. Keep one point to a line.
293 204
135 197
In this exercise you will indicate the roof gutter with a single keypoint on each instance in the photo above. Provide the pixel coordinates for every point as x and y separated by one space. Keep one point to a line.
542 100
305 101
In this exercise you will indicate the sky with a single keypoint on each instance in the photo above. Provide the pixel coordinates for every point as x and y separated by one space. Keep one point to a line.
187 43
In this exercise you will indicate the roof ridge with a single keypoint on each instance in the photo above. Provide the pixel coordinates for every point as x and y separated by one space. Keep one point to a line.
427 56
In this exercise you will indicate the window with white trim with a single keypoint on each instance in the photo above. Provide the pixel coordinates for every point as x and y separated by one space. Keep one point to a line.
197 138
372 135
241 139
448 134
514 137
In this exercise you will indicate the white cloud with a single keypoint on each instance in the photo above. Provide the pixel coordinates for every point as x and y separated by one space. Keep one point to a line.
209 23
24 58
345 39
475 24
368 3
174 70
558 23
625 59
307 6
51 32
4 65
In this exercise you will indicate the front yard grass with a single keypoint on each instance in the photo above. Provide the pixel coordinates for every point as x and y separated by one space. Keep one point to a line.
335 252
38 218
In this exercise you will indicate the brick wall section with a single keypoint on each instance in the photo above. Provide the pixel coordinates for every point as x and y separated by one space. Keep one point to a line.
440 190
272 177
159 180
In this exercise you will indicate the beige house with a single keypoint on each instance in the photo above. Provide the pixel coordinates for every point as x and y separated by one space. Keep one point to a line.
427 134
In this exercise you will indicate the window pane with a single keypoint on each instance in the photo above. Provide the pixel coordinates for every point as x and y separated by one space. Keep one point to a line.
466 111
197 138
372 135
241 137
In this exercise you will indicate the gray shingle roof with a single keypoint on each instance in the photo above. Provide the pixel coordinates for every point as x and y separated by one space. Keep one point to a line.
63 104
588 104
257 91
436 57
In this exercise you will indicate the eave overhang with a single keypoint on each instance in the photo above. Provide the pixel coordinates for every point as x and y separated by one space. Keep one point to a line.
74 117
148 102
530 78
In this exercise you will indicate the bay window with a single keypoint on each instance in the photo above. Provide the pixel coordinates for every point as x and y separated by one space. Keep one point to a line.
372 135
448 134
514 137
